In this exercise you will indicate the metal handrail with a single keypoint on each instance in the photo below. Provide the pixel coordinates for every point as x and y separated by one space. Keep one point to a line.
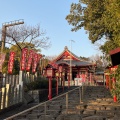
44 103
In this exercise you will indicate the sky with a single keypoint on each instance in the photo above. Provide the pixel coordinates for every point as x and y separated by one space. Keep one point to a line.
50 14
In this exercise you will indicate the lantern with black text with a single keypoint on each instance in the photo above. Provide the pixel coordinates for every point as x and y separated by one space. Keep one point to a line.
50 72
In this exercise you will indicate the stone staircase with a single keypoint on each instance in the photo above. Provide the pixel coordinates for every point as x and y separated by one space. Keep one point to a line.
96 104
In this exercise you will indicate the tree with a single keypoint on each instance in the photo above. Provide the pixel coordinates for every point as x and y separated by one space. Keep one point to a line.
84 58
23 33
17 51
100 18
99 60
51 58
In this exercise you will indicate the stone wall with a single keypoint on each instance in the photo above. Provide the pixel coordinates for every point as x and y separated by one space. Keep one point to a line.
42 95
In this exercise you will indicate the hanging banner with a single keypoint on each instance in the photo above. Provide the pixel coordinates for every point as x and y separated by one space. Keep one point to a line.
24 58
35 60
31 53
11 62
39 61
2 59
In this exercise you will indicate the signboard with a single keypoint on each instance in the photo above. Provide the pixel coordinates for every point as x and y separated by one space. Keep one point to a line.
78 82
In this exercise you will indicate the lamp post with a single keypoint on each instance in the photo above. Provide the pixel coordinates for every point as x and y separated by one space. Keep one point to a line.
57 76
50 74
71 59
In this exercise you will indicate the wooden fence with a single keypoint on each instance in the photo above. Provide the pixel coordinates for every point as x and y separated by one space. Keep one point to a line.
11 88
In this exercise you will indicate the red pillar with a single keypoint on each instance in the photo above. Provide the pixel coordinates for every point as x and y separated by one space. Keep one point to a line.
50 88
114 97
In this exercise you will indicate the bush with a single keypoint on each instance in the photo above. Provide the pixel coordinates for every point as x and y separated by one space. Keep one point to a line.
40 84
116 88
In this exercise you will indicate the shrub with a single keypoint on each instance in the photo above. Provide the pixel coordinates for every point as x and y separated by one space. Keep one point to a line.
40 84
116 89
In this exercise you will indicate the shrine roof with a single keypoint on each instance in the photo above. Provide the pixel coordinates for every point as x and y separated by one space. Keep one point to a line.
114 51
67 53
74 63
66 56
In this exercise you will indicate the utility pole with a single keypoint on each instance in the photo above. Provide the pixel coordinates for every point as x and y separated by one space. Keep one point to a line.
71 59
4 29
104 69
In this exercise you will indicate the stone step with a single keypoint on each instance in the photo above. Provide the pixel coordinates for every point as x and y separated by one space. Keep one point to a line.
70 117
94 117
21 119
89 111
46 117
108 113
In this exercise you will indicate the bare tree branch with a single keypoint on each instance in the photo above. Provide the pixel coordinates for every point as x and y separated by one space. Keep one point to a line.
30 34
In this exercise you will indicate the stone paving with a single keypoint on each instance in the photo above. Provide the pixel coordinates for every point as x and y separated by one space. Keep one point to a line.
97 104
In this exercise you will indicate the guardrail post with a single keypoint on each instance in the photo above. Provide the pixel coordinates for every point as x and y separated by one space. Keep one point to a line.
80 94
45 110
82 91
66 102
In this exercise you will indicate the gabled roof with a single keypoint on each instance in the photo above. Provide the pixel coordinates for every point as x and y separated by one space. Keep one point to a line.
67 53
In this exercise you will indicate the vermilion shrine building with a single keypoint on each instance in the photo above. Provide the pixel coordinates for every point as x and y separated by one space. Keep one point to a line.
68 62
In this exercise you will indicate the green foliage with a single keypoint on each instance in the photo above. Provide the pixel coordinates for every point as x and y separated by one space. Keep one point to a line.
116 90
100 18
40 84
